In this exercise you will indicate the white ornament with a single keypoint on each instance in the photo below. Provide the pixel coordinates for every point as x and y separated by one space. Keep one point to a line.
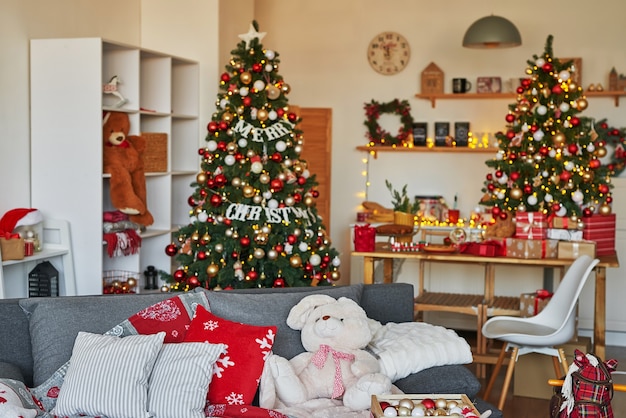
272 203
229 160
203 216
552 153
534 91
525 127
542 110
256 167
303 246
390 411
540 62
578 196
267 195
591 147
500 155
298 149
336 262
259 85
566 124
562 211
211 145
253 113
281 146
538 135
250 35
564 107
499 195
287 162
306 174
193 219
244 91
269 54
273 115
243 142
224 103
564 75
532 200
290 201
269 68
569 166
544 174
503 179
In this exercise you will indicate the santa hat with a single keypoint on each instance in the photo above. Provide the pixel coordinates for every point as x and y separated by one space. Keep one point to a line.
19 217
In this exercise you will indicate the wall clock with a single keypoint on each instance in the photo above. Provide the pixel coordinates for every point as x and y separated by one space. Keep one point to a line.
388 53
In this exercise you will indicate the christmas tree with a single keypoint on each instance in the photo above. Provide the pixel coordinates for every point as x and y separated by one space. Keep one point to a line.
253 220
548 158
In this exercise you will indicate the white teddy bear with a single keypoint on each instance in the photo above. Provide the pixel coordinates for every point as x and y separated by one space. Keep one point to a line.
334 366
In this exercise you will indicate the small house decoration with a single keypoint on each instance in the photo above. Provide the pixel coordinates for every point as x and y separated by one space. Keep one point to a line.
432 79
43 280
616 82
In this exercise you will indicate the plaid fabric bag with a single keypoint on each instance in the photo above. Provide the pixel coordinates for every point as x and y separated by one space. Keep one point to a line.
587 390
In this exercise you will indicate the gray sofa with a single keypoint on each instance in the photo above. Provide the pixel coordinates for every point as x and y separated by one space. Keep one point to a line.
38 334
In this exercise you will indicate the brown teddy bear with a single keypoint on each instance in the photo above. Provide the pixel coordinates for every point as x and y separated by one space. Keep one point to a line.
123 160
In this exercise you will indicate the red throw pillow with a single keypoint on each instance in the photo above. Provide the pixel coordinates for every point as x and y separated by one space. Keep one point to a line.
237 372
169 315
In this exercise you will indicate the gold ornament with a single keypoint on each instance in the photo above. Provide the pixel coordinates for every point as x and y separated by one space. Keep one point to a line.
201 178
600 152
236 182
212 270
195 236
260 238
264 178
206 237
588 176
248 191
198 210
262 115
582 103
245 77
516 193
258 253
546 92
231 148
335 275
572 86
227 116
604 209
273 92
558 139
309 201
132 282
295 261
286 88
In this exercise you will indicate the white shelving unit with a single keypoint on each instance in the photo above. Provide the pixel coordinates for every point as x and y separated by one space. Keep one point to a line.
56 248
67 106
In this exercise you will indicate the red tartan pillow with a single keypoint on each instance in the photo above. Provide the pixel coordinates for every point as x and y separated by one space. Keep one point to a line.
169 315
237 372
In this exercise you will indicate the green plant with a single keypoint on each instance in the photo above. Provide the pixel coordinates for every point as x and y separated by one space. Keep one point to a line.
400 199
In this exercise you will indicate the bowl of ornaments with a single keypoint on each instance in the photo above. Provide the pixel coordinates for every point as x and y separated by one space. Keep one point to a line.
426 405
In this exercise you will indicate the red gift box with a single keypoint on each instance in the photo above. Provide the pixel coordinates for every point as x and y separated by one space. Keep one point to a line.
601 230
364 238
530 225
491 248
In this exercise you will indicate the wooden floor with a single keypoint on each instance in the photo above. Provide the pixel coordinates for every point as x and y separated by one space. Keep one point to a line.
522 407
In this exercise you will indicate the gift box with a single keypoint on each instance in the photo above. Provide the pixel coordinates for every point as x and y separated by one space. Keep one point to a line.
601 230
530 225
490 248
364 238
531 248
11 247
562 222
564 234
574 249
530 304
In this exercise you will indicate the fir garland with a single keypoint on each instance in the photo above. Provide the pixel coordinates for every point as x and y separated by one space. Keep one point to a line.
614 140
376 134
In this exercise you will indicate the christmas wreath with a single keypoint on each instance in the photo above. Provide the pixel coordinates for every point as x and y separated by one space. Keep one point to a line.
613 140
376 134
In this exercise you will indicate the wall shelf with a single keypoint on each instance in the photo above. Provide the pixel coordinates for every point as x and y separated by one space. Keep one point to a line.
461 150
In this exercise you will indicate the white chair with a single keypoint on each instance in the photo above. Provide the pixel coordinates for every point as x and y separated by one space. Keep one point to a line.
553 326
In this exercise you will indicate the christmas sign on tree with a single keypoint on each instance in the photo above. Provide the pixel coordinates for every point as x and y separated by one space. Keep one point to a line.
253 220
549 156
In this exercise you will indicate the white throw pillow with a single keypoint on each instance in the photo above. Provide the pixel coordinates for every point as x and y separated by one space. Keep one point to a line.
109 376
180 379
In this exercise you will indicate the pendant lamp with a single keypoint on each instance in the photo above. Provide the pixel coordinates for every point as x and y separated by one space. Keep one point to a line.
492 32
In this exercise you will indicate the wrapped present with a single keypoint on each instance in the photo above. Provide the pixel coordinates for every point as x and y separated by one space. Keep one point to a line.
11 246
564 234
364 238
530 225
562 222
530 304
489 248
601 230
531 248
574 249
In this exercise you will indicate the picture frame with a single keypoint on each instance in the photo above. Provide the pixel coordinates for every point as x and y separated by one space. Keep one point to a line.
488 85
577 62
442 132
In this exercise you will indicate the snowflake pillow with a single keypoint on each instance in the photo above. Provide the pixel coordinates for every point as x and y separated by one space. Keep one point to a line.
236 373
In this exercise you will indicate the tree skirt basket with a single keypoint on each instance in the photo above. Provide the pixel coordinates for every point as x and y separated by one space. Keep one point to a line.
155 155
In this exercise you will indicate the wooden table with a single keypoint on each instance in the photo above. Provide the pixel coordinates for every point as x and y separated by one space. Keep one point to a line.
489 264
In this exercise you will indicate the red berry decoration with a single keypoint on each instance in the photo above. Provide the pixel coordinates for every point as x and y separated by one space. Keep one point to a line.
171 250
216 200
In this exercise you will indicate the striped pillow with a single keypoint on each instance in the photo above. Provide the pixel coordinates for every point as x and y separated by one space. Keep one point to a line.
180 379
109 375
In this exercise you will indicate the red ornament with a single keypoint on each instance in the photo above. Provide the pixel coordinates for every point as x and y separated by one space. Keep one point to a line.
574 121
565 175
609 199
223 125
499 173
489 177
526 82
201 255
503 215
557 89
201 151
216 200
253 275
191 202
297 197
280 112
277 157
547 67
247 101
212 127
595 163
528 189
428 403
227 222
292 117
544 150
510 118
587 212
510 134
512 156
603 188
556 207
171 250
572 148
514 175
301 180
315 194
221 146
257 67
220 179
291 239
276 185
225 77
203 193
533 128
279 282
491 187
179 275
210 183
495 211
244 241
519 90
193 281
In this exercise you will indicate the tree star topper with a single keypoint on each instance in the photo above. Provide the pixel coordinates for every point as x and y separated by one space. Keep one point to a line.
252 33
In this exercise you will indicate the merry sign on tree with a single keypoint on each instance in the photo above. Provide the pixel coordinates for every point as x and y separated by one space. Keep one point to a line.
253 220
548 157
